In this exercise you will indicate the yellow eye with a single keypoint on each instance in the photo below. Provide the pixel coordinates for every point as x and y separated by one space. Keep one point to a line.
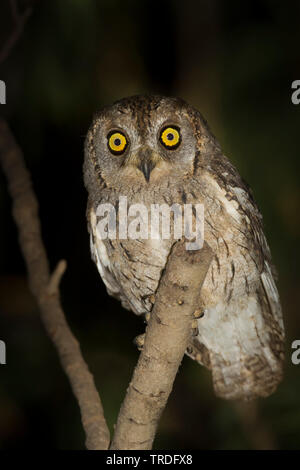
117 142
170 137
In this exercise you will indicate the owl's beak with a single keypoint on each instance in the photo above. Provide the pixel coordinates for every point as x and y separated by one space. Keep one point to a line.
146 167
147 161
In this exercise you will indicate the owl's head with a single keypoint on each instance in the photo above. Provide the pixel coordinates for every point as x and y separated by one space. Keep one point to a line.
141 140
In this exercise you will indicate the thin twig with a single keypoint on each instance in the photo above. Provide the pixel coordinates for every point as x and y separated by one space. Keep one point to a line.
46 290
19 23
53 286
167 336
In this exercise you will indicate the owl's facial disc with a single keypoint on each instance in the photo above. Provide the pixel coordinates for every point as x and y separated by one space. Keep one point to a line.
139 144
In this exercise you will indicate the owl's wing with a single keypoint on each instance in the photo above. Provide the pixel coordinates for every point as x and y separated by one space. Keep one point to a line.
241 335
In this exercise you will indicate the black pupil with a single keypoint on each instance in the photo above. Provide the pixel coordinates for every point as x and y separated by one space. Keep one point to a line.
117 142
170 136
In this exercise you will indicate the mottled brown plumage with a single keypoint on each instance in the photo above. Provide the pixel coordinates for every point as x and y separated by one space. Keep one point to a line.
241 333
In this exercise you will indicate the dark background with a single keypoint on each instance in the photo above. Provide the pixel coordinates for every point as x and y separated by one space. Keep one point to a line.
235 61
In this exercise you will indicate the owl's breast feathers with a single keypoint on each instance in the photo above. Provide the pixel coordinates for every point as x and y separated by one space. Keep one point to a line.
241 335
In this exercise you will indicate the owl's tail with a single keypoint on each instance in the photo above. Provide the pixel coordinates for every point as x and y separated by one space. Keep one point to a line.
243 345
252 378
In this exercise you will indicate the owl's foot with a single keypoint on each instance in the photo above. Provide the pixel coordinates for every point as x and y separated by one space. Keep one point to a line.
198 313
139 341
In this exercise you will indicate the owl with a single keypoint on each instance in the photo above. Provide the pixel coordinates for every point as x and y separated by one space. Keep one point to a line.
160 150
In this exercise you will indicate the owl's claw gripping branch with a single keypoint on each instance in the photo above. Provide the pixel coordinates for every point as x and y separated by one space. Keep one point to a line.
139 341
164 346
45 288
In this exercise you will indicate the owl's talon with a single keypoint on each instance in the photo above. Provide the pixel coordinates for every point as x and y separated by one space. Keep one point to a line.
139 341
195 330
198 313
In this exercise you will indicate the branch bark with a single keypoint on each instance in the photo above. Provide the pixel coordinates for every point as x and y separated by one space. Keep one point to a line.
45 288
167 336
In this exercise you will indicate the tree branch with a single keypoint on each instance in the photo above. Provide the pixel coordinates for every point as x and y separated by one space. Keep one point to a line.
45 288
167 336
19 23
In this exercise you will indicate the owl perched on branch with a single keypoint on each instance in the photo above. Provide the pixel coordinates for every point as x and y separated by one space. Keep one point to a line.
157 150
